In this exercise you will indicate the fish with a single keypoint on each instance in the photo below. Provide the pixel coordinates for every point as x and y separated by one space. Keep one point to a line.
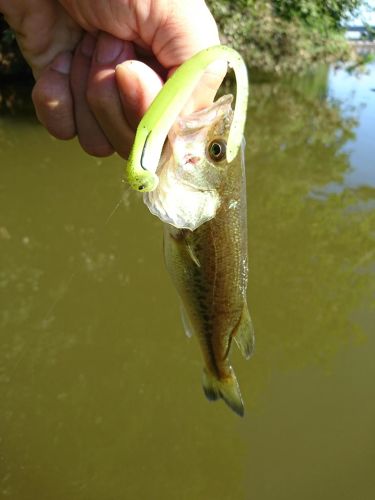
201 198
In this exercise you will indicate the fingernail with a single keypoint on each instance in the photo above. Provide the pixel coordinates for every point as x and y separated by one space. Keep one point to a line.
88 45
62 63
108 49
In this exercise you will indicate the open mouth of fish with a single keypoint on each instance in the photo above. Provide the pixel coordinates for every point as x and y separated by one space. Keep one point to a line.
189 179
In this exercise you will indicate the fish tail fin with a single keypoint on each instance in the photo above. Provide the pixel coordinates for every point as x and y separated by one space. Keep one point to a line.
244 333
226 388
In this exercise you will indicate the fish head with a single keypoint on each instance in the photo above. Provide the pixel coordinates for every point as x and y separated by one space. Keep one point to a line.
193 167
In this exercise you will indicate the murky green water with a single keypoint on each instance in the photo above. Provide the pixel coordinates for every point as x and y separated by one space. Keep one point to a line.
100 389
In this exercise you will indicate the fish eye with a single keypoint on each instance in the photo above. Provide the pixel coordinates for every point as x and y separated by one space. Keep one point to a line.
217 149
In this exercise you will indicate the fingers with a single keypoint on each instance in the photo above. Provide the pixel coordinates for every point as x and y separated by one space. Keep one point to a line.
102 94
90 134
111 92
53 99
99 94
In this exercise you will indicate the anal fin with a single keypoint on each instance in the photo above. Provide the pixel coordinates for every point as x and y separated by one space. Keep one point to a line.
186 321
244 333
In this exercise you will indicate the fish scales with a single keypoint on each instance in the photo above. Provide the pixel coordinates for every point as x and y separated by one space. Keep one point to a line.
208 263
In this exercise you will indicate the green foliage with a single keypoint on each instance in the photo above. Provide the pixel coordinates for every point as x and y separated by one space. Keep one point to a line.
369 33
317 14
284 36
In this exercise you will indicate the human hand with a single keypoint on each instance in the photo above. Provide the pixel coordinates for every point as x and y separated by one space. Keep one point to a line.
99 65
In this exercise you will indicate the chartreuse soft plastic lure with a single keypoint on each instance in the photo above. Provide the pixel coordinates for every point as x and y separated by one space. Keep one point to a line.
168 104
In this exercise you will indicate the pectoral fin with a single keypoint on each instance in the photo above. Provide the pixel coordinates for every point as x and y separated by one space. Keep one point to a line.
244 333
192 255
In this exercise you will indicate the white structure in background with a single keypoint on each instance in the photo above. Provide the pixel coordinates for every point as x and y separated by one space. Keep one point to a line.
365 15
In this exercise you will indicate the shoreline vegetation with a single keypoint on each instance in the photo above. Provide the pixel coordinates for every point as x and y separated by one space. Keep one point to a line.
275 37
284 37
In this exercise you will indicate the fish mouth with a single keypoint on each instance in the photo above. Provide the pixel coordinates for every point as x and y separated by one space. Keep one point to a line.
188 192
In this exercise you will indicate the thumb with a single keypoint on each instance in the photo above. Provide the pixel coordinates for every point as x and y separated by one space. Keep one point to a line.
138 86
205 91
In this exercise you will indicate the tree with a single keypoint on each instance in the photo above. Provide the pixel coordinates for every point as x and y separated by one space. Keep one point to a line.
285 36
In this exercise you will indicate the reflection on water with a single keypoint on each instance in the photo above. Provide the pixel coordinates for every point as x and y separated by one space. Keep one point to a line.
100 389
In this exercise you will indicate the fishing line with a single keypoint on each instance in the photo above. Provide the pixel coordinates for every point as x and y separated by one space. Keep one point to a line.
65 284
63 287
114 211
